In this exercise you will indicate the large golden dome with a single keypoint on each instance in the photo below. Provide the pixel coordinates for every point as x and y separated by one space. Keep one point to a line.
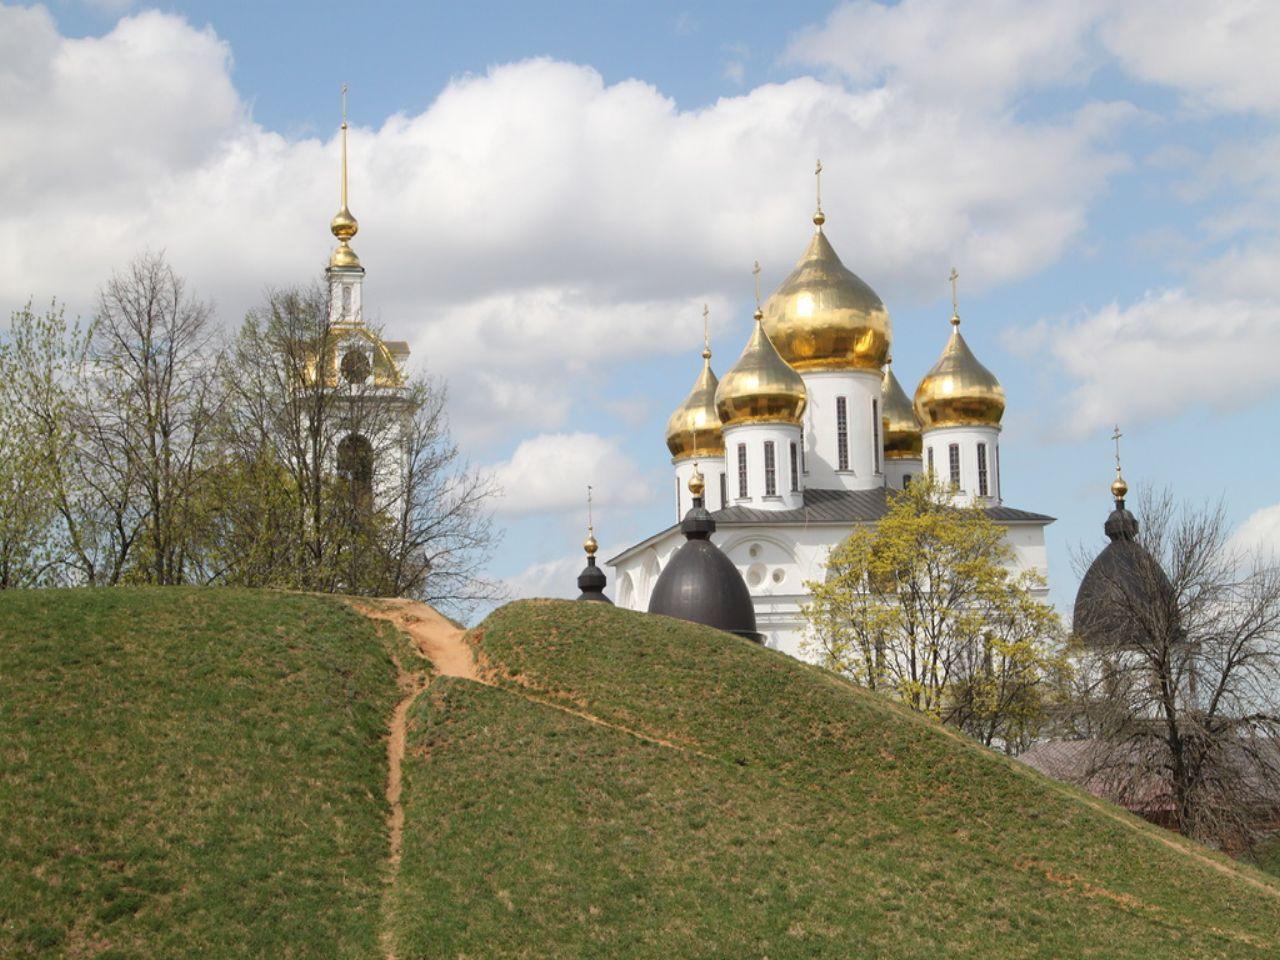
694 428
902 437
760 387
959 391
824 317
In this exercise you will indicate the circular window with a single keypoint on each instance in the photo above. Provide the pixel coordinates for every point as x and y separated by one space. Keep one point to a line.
755 550
779 575
755 574
355 366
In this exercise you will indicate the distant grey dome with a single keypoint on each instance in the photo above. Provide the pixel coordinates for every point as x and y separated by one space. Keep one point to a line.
591 581
701 584
1123 587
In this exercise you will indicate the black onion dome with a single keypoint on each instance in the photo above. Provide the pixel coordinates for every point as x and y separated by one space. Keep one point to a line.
1123 587
591 581
701 584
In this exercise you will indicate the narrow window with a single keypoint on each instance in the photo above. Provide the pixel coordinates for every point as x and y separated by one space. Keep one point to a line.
346 301
906 480
995 455
982 469
770 471
931 461
742 471
875 433
724 492
677 498
953 460
842 433
795 469
804 466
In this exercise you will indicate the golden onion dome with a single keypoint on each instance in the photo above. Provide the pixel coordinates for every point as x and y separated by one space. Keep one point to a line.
760 387
902 437
694 428
959 391
824 317
590 545
344 226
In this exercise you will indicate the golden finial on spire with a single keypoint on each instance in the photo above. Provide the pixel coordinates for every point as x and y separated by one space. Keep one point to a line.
1118 486
955 299
706 332
819 218
590 545
755 271
344 225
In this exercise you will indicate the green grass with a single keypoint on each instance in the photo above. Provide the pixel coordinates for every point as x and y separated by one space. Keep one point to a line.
803 818
201 773
191 773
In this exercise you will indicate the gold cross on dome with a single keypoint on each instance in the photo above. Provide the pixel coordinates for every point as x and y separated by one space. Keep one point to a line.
755 270
344 104
591 528
817 174
1116 437
706 329
955 301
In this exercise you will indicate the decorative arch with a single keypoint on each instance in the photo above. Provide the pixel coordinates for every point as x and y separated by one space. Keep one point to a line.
626 591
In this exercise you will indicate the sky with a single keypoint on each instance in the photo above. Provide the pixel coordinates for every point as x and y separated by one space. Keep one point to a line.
548 194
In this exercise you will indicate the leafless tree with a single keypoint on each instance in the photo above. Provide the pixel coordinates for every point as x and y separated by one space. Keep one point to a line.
153 396
1181 690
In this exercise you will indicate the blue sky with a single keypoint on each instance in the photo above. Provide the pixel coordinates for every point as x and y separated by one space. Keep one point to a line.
548 194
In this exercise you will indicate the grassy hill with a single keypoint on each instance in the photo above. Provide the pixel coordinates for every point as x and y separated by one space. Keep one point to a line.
202 773
189 773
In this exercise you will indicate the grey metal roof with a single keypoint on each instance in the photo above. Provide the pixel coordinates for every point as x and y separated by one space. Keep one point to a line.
849 506
830 506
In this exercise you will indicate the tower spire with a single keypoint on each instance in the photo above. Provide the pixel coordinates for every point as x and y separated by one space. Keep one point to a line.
755 271
1119 488
344 225
590 545
955 300
819 218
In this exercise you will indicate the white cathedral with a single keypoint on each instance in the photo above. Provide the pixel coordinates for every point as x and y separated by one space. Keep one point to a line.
805 433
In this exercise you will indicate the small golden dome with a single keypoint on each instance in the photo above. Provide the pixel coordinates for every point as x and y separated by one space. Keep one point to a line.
694 427
1119 489
902 437
823 317
344 256
760 387
590 545
343 225
959 391
696 482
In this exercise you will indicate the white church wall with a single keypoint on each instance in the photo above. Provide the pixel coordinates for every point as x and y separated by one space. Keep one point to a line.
776 562
713 475
861 389
967 439
752 438
897 470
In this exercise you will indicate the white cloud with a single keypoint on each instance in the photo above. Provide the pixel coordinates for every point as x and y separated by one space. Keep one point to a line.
532 220
1169 352
1260 533
549 473
961 52
1221 54
553 578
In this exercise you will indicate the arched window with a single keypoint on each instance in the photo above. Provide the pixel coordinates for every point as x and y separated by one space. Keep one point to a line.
355 465
842 434
770 470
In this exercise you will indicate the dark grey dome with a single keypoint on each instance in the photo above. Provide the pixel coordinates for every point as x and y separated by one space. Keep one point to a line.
702 585
1125 594
591 581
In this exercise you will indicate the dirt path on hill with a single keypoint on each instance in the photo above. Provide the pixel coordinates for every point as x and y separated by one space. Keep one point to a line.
441 644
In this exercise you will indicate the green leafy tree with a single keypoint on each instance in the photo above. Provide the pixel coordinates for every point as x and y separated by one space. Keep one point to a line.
925 606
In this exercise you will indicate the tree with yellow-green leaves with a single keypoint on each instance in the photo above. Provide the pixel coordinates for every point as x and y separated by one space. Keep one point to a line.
926 606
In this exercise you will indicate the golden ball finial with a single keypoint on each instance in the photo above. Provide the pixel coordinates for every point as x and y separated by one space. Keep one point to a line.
1119 488
343 225
590 545
819 218
696 482
344 256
